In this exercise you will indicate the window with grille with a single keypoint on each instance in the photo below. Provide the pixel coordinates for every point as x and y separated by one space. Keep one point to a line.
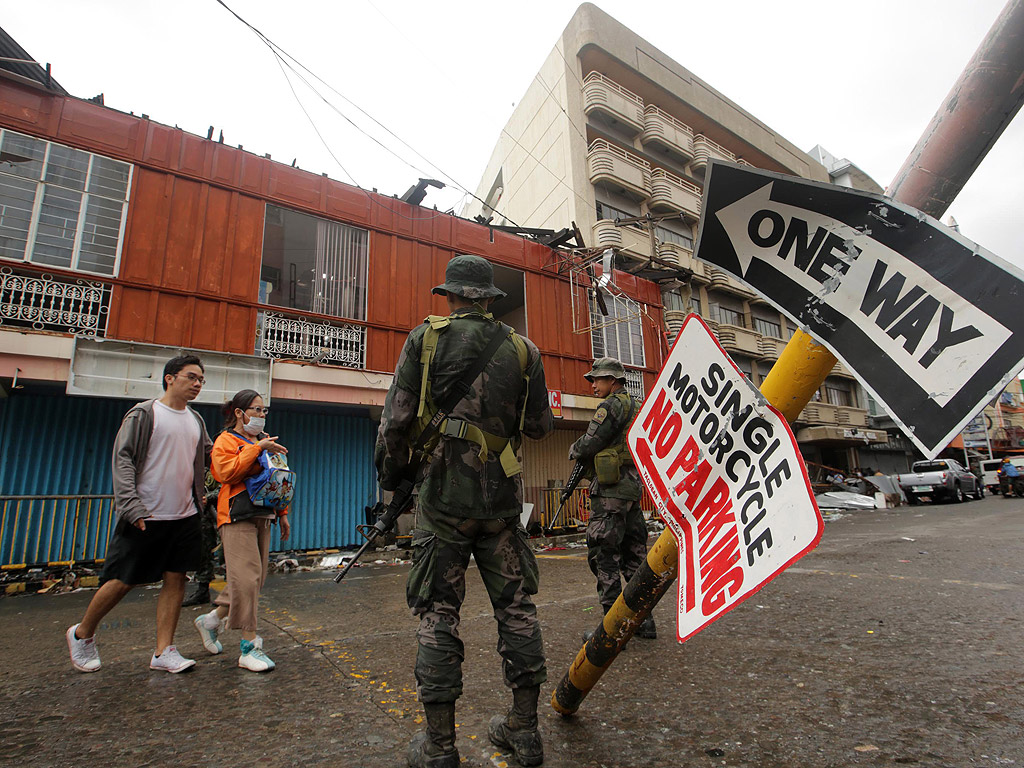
313 264
668 236
618 334
838 392
606 211
728 316
59 206
768 328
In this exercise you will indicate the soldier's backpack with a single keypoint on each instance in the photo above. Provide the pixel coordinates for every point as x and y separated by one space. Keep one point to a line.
459 428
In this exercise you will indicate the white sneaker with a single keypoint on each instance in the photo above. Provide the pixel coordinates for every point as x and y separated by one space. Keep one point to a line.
171 661
253 658
207 633
84 656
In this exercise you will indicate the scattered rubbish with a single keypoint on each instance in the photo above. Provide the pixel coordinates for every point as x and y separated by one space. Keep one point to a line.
907 538
922 553
286 564
334 561
904 561
714 752
866 748
832 516
844 500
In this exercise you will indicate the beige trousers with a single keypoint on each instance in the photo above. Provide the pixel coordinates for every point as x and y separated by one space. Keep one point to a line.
246 552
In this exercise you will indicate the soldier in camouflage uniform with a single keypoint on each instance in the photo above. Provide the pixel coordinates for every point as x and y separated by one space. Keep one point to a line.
617 533
200 592
470 499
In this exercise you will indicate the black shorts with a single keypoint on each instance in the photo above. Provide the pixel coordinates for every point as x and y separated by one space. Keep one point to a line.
142 557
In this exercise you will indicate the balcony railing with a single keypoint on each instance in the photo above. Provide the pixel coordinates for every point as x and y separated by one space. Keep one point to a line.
772 347
677 254
837 415
607 235
42 302
613 102
671 193
704 149
298 338
619 169
736 338
635 384
666 133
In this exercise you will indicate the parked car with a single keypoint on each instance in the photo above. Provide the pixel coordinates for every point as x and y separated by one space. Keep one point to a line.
990 474
940 479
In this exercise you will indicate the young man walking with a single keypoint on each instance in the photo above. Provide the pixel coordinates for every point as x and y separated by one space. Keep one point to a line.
159 466
617 533
470 500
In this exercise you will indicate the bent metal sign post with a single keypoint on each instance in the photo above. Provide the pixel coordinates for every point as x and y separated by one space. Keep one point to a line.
930 322
724 469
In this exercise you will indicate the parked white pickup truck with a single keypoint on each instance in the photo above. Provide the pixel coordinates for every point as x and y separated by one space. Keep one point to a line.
940 479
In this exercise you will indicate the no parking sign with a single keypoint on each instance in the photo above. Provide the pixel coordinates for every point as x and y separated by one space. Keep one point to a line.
724 469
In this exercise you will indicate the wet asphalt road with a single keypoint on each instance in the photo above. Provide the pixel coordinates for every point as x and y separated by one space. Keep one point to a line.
897 642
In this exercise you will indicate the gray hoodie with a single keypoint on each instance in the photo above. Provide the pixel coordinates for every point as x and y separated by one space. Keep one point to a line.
131 447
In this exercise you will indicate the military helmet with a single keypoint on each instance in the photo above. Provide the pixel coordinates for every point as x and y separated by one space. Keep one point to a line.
471 277
606 366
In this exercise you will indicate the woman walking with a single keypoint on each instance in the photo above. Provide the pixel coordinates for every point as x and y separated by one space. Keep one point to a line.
244 528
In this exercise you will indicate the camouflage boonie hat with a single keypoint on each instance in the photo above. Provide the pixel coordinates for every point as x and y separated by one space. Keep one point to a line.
471 277
606 366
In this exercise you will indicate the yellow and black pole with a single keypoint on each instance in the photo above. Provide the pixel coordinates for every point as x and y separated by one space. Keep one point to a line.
980 105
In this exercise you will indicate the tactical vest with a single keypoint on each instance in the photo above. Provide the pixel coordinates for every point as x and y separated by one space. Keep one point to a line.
609 461
459 428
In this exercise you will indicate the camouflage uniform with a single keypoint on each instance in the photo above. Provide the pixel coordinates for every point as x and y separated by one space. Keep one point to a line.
208 529
465 505
200 591
617 533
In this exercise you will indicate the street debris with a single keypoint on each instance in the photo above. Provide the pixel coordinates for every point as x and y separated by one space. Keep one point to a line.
844 500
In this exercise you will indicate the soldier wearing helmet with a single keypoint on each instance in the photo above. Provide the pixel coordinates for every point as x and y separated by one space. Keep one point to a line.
616 533
469 503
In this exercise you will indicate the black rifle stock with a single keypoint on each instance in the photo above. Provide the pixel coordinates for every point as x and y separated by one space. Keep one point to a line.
570 485
387 516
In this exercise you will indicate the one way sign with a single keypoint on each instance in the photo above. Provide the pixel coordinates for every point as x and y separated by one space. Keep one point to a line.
930 322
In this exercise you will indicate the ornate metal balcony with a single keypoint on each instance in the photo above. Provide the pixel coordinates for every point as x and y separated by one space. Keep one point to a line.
704 149
613 103
298 338
635 384
671 193
619 169
666 134
42 302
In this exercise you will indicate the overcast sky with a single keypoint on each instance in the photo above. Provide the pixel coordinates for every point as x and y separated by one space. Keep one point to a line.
861 78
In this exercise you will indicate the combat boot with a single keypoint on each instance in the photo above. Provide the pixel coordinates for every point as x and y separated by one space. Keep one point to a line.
517 731
647 630
198 595
435 747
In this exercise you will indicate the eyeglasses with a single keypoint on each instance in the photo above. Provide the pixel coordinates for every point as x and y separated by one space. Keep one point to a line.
193 378
259 411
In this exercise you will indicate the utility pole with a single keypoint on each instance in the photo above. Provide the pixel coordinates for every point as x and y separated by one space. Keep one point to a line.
980 105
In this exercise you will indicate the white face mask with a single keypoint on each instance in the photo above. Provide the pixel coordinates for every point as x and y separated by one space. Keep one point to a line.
255 425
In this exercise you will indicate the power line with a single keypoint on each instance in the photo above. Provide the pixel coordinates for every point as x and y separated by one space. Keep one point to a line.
278 51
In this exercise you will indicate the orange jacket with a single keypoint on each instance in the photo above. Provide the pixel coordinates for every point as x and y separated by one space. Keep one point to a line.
232 461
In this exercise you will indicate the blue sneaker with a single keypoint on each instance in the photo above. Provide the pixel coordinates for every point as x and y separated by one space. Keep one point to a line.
253 658
208 634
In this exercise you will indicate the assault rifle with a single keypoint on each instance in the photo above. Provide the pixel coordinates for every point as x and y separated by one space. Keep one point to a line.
386 517
570 485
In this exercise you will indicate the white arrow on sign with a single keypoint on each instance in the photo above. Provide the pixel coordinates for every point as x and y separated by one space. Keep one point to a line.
935 335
